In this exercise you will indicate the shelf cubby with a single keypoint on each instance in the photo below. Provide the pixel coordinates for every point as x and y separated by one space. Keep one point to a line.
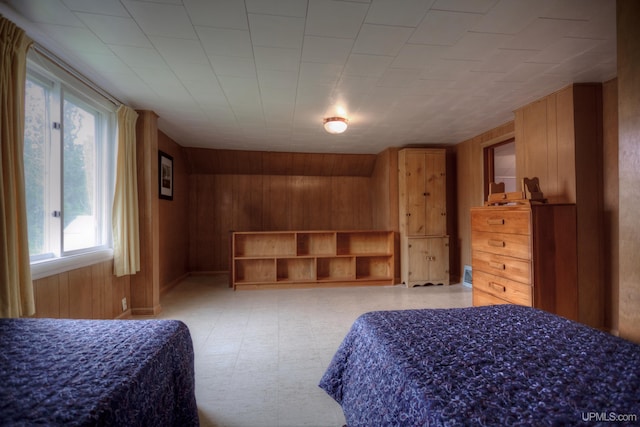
264 244
316 243
296 270
341 268
373 242
254 270
373 267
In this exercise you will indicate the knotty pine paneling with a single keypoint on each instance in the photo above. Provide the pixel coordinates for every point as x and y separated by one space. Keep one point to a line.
91 292
225 203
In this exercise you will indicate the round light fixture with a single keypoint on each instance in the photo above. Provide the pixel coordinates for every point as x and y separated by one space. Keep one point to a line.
335 124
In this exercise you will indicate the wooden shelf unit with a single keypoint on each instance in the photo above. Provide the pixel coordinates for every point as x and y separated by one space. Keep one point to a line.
278 259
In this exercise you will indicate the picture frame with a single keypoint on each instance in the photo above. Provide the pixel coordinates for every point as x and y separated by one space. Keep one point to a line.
165 175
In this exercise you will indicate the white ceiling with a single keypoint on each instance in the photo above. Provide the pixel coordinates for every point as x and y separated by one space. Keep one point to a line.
262 74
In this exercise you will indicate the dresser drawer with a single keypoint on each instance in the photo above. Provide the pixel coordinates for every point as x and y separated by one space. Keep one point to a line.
501 220
482 298
514 245
514 268
500 287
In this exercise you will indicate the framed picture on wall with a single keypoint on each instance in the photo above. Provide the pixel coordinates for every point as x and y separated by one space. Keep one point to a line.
165 175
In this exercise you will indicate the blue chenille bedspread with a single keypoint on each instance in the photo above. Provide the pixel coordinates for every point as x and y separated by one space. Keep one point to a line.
57 372
501 365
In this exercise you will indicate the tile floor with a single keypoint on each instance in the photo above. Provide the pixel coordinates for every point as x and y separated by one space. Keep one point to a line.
259 355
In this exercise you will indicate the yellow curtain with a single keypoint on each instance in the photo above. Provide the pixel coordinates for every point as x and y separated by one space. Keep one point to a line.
16 287
126 234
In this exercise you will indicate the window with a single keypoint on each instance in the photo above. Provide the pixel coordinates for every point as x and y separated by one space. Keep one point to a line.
69 168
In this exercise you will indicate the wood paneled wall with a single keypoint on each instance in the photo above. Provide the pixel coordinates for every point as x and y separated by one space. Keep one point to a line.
384 199
559 140
469 180
628 36
220 204
91 292
174 224
238 162
611 202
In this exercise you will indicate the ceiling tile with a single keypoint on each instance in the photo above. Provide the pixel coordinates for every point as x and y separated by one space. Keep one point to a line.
326 50
157 19
399 77
138 56
471 6
387 12
46 11
418 55
381 39
504 60
443 27
76 38
312 74
476 46
367 65
278 80
115 29
193 72
274 58
240 90
180 51
542 32
244 68
512 16
104 7
276 31
229 42
526 71
331 18
218 13
564 49
278 7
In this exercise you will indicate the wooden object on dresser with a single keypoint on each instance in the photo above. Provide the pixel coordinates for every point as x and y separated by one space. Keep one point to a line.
424 243
287 259
526 255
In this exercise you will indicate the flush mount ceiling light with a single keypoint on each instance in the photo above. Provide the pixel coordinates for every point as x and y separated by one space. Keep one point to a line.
335 124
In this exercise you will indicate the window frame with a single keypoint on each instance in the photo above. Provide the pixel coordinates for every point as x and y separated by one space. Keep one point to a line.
489 165
68 87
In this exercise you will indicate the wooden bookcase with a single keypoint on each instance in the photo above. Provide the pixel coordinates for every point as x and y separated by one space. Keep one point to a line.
281 259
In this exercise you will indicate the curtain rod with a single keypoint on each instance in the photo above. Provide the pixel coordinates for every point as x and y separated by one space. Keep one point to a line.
74 73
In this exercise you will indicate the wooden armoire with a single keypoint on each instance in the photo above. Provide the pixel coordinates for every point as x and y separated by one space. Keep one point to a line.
424 243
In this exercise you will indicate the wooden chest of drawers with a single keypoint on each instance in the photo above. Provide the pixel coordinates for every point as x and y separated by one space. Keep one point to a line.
527 255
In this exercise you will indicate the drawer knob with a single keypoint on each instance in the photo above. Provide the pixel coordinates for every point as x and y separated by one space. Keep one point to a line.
498 265
496 243
497 287
495 221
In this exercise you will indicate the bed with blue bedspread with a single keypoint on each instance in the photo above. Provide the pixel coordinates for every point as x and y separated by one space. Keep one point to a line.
487 366
96 373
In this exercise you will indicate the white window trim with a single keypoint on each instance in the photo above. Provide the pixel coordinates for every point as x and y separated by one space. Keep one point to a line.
50 267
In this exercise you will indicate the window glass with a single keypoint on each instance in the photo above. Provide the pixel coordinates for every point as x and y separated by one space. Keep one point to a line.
80 217
36 160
